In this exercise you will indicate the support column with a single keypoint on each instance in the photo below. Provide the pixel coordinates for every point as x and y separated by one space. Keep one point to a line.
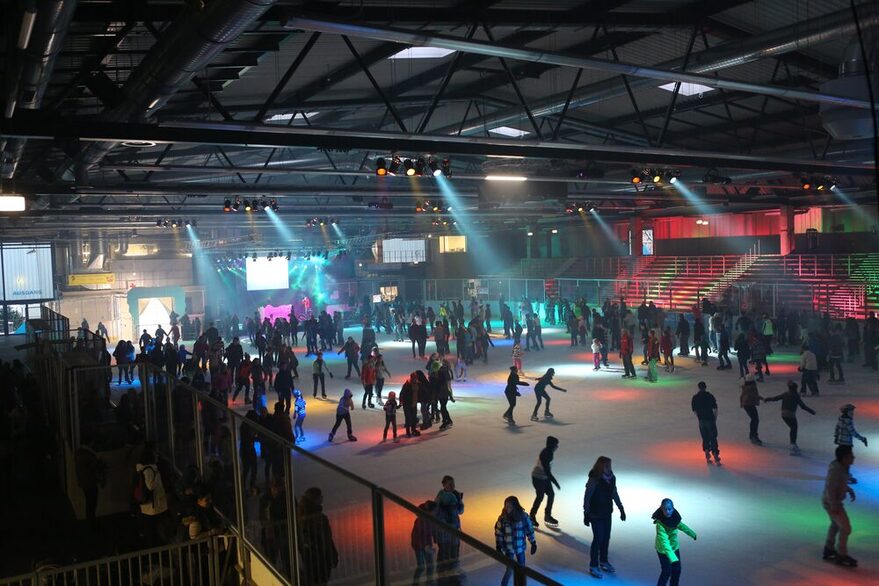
636 227
786 235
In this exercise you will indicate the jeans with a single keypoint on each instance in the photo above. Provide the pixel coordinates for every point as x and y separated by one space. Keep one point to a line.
444 411
743 365
297 427
600 541
390 421
669 570
367 395
751 410
810 379
792 424
835 365
685 345
519 556
628 365
542 486
723 356
352 363
423 561
839 526
541 395
340 417
511 399
708 429
323 388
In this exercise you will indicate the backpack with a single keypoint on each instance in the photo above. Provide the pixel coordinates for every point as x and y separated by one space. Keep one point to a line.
141 494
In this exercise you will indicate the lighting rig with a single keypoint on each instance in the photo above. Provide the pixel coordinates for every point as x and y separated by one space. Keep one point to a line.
175 223
714 176
818 183
413 167
579 207
235 205
320 221
655 176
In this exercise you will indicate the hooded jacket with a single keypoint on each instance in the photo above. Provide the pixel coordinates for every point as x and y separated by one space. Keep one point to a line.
667 533
345 403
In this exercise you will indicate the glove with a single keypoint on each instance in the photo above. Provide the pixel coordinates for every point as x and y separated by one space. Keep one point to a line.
586 520
622 515
533 547
331 375
865 442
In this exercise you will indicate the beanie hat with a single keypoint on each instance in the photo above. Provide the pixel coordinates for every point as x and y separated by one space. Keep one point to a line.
551 441
702 385
513 368
847 407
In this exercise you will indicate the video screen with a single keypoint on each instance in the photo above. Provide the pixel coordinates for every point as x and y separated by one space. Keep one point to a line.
27 273
264 274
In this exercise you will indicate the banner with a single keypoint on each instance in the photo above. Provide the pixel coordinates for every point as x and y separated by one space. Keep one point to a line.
91 279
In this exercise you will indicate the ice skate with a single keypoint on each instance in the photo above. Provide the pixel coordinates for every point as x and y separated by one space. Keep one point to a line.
550 520
548 415
352 438
795 450
535 418
707 456
717 458
608 567
829 554
534 521
330 438
756 441
847 561
595 572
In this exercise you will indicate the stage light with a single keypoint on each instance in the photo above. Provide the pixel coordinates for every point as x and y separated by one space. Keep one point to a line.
434 168
505 178
159 223
636 177
530 233
395 166
806 185
555 230
570 208
381 167
447 167
419 206
236 204
657 177
289 254
334 221
227 205
247 205
672 176
274 205
187 223
419 166
580 208
409 166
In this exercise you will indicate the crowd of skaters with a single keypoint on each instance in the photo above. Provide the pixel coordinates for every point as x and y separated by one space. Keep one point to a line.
824 345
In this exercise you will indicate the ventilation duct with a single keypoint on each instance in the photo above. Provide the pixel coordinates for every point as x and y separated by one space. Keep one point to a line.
851 123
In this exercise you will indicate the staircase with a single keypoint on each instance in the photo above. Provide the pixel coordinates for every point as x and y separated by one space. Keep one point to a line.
676 282
722 285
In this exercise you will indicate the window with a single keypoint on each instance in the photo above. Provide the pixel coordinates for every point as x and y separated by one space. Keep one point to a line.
647 242
452 244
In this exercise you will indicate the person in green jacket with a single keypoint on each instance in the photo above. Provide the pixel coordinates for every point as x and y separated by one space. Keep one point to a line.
668 522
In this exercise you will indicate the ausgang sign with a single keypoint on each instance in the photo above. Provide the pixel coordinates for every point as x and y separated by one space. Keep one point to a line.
91 279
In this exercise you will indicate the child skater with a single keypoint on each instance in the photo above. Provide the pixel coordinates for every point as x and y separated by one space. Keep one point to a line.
390 408
517 357
596 353
667 345
299 415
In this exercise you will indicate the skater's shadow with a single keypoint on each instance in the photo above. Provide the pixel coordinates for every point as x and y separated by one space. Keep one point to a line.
556 422
561 537
383 449
517 428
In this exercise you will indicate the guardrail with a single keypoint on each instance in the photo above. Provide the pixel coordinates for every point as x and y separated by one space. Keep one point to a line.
208 561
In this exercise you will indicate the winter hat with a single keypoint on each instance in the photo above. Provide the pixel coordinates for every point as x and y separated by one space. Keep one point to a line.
297 393
702 386
749 378
392 395
513 368
551 441
847 407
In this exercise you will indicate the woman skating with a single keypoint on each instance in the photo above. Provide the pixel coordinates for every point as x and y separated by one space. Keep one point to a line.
513 526
511 392
343 413
668 522
601 494
790 400
541 394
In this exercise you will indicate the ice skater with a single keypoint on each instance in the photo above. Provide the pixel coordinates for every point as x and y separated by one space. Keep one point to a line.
790 400
511 392
704 405
627 348
845 431
652 357
596 354
513 526
299 415
390 408
835 489
343 413
541 394
601 494
668 522
749 400
542 480
517 357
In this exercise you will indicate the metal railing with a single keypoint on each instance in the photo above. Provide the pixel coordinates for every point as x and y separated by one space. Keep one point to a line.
260 488
207 561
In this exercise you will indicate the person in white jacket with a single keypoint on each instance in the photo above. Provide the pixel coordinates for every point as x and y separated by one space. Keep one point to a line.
154 504
845 432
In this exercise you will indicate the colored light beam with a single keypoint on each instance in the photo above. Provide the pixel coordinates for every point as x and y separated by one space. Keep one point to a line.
282 228
859 210
694 199
204 267
609 233
487 259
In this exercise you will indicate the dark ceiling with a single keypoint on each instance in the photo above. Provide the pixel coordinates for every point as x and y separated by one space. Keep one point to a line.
124 113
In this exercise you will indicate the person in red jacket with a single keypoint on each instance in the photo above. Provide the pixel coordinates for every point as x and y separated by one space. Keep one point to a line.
627 348
666 346
367 378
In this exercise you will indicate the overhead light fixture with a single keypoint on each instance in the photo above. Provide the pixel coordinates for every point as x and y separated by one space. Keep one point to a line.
555 230
153 104
290 115
236 204
447 167
806 184
381 167
509 131
12 203
174 223
395 165
273 204
227 205
419 166
636 176
422 53
687 89
657 177
505 178
434 168
409 166
138 144
247 205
